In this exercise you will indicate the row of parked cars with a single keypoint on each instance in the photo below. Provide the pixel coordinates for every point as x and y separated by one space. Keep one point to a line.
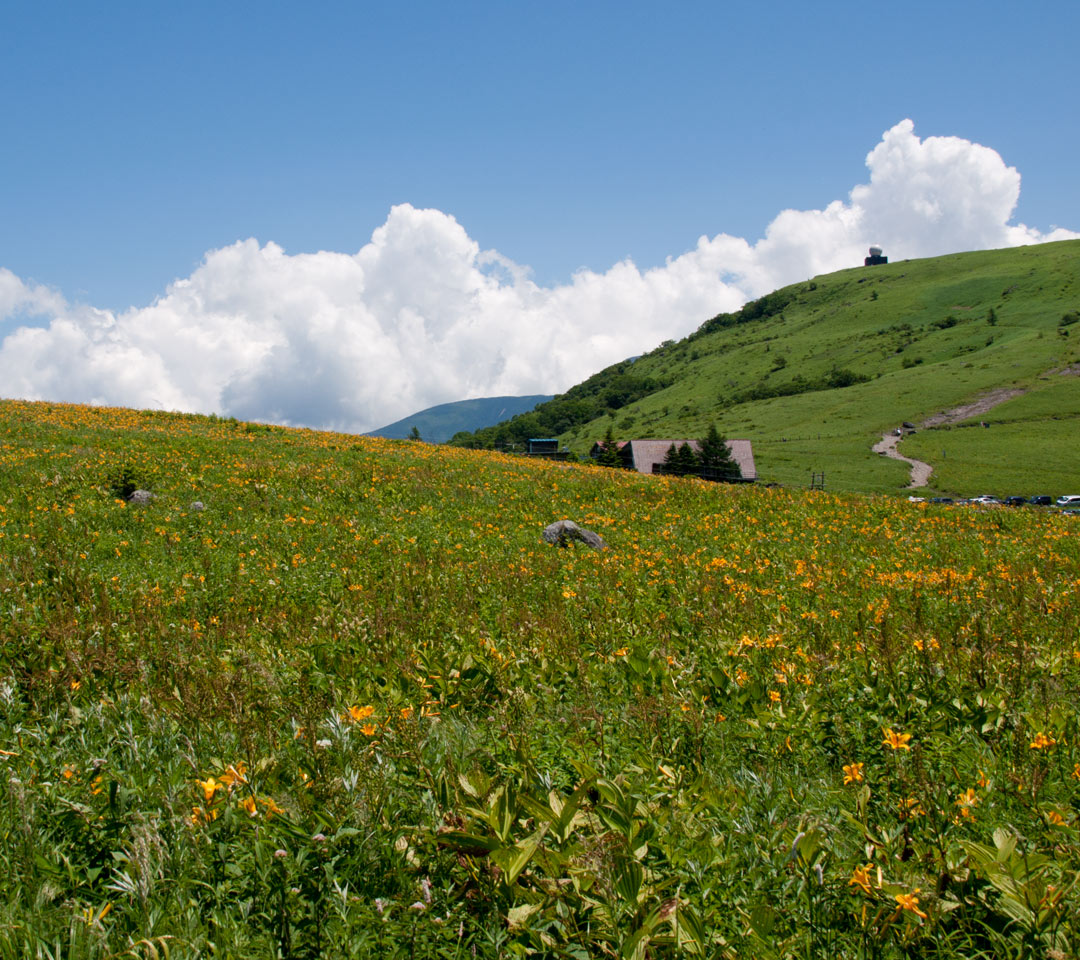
1069 503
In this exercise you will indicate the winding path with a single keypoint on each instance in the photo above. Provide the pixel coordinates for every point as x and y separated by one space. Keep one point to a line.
920 472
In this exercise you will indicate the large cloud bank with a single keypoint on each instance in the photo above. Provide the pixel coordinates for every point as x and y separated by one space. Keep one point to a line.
420 315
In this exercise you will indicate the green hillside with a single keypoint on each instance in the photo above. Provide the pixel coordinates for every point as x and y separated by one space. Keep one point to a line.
814 373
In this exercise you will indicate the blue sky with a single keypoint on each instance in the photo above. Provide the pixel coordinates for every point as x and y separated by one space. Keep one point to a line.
139 136
585 142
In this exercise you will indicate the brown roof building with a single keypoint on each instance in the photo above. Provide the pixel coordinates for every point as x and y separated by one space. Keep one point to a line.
647 456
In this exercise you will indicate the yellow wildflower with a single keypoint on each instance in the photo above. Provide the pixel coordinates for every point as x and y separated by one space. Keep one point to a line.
860 877
210 786
911 806
199 815
235 773
368 729
910 902
271 807
896 741
967 799
356 714
1042 741
248 803
853 773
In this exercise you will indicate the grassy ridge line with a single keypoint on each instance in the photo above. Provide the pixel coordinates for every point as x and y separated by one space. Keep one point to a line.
929 335
357 681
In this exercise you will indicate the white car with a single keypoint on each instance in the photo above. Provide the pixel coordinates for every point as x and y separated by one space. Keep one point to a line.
1069 500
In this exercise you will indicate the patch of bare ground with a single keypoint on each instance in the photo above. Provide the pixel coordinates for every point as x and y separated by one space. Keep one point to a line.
980 405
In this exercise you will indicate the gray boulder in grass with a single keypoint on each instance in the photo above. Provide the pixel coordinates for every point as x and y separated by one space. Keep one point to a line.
141 497
561 532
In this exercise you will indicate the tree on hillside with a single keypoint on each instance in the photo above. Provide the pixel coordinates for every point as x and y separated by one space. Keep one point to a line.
716 456
610 456
414 434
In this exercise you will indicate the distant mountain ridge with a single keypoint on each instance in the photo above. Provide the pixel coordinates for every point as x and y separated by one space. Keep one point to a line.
439 423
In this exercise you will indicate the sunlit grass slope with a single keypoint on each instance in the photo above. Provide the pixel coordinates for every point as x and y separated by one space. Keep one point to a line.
355 707
928 334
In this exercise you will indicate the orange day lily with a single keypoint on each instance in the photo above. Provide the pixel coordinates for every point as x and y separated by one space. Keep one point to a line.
852 773
896 741
234 774
210 786
910 902
271 806
860 877
968 798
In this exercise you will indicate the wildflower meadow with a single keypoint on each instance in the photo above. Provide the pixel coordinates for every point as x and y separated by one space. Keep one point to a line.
332 696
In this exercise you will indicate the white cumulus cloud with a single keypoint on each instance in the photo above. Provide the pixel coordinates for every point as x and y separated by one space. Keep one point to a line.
420 315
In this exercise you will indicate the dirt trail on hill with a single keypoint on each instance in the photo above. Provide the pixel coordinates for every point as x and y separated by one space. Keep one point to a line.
981 405
920 472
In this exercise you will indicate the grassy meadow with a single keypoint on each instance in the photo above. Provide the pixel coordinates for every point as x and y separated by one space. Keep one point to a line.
355 707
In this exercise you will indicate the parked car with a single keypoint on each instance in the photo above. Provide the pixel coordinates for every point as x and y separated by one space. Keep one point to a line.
942 500
1071 512
1069 500
1041 500
1015 501
987 500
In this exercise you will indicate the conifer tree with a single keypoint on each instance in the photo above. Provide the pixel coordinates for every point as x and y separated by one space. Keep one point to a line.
716 457
671 460
610 456
688 461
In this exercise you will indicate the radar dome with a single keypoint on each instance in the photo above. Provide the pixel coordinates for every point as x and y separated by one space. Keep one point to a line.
875 251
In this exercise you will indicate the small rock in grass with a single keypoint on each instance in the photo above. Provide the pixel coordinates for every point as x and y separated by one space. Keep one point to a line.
561 532
141 497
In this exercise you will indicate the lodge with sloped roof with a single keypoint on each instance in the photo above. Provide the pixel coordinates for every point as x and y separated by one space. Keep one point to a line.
647 456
